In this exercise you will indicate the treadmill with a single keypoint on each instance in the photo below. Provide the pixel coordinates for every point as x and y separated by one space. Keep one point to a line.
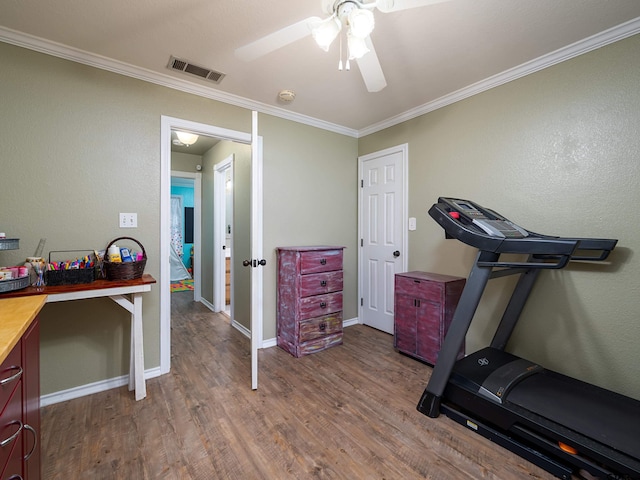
561 424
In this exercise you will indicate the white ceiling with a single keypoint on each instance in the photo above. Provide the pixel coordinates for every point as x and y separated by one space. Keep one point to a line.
427 54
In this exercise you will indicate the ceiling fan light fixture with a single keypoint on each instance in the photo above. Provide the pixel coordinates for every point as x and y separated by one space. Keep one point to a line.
357 47
361 22
325 32
187 139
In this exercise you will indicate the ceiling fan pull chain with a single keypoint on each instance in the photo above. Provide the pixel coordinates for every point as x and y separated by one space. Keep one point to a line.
340 62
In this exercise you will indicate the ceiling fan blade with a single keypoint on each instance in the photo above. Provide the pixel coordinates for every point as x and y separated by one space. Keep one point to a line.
277 39
370 69
387 6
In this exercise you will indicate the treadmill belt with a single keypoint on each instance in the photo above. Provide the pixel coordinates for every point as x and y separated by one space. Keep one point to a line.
604 416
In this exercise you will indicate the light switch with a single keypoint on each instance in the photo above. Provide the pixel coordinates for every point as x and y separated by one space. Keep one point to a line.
412 223
128 220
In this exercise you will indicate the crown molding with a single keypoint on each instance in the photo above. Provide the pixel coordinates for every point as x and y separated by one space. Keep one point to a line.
41 45
620 32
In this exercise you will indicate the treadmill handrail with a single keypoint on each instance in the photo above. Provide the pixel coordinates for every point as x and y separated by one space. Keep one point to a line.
533 244
603 245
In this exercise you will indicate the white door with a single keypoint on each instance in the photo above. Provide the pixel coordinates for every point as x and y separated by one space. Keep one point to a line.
383 242
256 248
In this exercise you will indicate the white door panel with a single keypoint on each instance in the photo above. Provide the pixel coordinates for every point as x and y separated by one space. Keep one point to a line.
382 233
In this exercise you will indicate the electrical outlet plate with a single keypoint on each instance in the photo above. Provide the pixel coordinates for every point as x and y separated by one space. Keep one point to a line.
128 220
412 223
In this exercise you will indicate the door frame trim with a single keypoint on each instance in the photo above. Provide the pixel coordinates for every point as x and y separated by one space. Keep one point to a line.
404 150
219 232
168 123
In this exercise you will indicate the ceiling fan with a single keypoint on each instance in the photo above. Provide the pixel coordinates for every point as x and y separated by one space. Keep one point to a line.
355 17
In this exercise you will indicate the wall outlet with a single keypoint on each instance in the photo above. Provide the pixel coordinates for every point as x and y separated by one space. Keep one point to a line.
412 223
128 220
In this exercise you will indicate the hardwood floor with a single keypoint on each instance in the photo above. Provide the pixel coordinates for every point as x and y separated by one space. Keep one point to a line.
346 413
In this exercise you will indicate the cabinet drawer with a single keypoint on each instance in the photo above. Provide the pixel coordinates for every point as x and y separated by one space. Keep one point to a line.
321 326
320 261
319 283
11 424
319 344
319 305
419 288
11 367
13 468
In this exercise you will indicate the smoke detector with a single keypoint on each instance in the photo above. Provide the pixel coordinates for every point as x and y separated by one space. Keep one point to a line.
286 96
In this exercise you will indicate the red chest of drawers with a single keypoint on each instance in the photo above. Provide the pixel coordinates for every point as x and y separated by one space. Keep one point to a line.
309 298
424 307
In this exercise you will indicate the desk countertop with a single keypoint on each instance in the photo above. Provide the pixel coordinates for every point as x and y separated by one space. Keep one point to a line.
16 314
81 287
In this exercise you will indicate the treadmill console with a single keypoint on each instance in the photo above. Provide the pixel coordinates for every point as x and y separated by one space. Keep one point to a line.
486 221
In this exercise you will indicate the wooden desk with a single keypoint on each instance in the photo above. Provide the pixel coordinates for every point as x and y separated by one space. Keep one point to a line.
116 291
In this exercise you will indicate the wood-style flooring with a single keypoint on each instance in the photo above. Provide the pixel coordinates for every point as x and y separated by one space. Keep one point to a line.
346 413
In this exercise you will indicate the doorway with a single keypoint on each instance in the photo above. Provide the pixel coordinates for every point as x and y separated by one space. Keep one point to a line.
382 225
186 250
255 295
223 231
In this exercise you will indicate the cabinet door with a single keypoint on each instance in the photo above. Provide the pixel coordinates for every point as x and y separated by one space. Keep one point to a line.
405 324
429 327
31 399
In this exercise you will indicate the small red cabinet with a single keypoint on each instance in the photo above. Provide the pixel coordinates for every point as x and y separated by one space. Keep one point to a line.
424 307
309 303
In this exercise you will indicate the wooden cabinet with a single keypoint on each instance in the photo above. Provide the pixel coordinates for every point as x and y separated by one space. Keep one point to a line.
424 306
309 298
20 408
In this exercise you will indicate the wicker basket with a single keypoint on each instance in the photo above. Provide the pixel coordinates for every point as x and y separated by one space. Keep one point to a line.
124 270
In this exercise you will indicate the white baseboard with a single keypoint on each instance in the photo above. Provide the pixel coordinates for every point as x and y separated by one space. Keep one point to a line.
350 322
241 328
91 388
207 304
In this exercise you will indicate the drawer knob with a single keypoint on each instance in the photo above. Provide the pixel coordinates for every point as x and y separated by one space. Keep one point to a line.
323 261
323 304
323 283
323 326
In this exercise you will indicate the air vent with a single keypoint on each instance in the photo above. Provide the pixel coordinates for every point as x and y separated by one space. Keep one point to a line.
202 72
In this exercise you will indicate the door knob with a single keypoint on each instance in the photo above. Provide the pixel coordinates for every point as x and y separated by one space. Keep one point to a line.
254 263
396 253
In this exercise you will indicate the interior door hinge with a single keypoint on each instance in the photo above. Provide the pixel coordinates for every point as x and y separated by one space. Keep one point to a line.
362 302
361 183
362 242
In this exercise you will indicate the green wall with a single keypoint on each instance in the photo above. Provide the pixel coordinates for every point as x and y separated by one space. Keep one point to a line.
558 152
310 198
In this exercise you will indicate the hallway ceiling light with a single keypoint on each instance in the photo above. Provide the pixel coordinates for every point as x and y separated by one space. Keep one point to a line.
187 139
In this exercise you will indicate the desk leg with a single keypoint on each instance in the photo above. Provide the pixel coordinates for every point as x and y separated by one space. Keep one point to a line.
138 349
136 357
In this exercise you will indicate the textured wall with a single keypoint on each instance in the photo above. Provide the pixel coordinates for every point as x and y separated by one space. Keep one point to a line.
558 152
